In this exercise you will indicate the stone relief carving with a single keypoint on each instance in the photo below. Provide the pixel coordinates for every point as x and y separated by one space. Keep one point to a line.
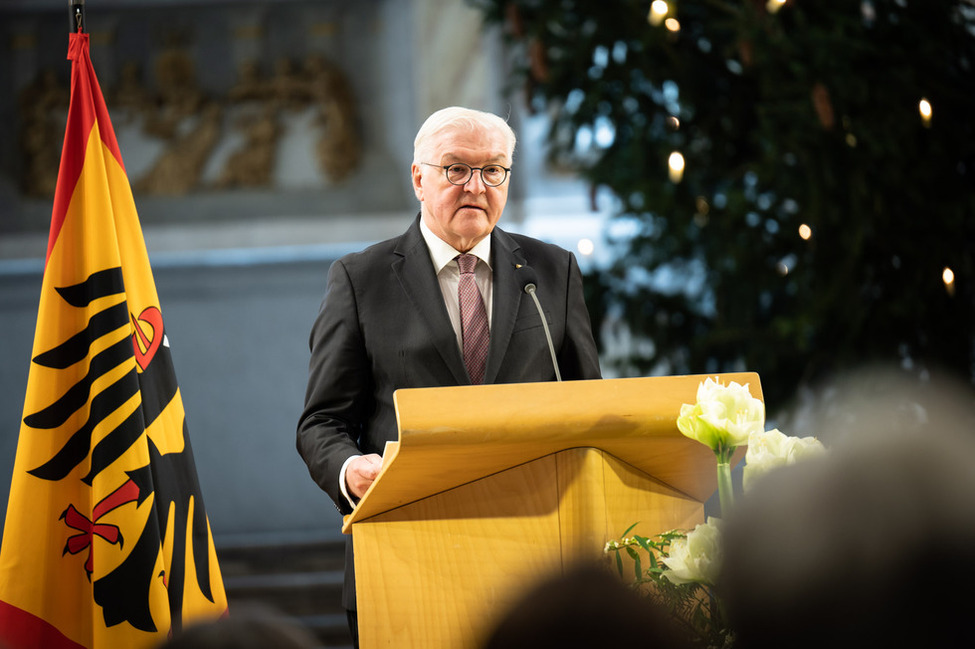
188 126
43 104
177 170
338 147
251 165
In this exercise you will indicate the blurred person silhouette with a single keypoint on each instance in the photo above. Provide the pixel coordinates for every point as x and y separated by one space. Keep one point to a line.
872 545
586 607
247 627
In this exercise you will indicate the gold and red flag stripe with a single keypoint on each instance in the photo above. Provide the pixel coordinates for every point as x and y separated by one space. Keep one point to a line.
106 543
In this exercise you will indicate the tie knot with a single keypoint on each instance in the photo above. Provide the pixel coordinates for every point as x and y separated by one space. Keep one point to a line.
466 263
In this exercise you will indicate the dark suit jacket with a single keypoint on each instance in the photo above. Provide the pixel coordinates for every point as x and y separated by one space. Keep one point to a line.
383 325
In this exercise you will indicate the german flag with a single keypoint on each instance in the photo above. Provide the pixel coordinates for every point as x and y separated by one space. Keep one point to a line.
106 544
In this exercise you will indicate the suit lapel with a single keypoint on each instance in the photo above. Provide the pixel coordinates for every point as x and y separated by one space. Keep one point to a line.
507 297
414 271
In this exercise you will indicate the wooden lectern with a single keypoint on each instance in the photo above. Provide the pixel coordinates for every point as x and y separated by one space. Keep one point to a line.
493 487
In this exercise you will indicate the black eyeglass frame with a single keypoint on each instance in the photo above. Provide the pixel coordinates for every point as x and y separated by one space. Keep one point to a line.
470 172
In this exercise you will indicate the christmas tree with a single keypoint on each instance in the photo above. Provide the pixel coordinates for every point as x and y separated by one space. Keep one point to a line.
800 176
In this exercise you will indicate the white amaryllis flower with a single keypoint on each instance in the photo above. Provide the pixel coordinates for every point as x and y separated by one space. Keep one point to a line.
697 557
723 417
770 449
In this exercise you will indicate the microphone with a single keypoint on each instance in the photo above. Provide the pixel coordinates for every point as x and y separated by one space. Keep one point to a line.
528 279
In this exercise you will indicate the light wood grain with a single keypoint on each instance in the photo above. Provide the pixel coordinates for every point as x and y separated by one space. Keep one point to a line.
434 568
450 436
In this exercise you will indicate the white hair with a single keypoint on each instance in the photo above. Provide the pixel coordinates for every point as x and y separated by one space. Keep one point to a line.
460 118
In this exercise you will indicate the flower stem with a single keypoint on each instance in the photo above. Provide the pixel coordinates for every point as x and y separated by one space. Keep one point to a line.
725 490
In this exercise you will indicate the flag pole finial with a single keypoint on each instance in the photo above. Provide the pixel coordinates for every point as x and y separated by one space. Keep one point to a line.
76 9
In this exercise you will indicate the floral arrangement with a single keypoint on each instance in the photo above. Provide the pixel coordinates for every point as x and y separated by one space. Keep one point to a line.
677 569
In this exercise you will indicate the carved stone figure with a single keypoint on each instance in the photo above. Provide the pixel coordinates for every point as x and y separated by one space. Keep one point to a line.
179 95
250 86
253 164
177 171
338 147
130 95
289 90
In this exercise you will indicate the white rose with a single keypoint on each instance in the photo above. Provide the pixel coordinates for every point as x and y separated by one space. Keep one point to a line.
770 449
697 557
723 417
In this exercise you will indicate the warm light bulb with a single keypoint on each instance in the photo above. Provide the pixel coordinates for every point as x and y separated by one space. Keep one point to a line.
676 164
672 24
805 232
924 107
948 277
774 5
657 12
585 247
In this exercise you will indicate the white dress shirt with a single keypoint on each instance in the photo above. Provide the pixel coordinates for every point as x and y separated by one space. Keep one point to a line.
442 255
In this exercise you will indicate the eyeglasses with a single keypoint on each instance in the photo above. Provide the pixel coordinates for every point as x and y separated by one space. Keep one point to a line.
460 173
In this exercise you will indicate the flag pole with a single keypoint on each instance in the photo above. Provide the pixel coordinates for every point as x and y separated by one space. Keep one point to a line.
76 15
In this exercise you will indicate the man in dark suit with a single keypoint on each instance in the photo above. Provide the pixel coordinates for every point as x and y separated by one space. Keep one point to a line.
393 318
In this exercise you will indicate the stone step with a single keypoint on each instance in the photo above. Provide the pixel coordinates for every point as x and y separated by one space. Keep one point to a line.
301 581
305 556
295 594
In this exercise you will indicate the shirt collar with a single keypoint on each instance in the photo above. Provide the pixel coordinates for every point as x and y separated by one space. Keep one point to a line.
442 253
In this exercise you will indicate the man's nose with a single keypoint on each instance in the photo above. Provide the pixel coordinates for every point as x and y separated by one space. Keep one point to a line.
475 184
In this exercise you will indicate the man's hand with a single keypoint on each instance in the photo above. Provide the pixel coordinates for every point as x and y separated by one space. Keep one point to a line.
361 473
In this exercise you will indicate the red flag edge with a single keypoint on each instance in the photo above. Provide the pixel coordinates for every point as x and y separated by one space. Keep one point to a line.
87 107
23 630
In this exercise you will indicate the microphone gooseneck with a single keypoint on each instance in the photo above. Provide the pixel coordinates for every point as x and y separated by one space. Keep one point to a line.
528 281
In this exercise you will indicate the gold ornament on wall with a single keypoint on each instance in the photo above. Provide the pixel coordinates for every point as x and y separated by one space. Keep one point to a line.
179 127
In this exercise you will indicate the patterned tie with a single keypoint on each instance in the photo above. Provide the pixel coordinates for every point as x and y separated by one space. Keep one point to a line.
473 318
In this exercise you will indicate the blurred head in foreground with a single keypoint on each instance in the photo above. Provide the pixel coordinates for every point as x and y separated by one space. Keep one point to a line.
872 545
247 627
584 608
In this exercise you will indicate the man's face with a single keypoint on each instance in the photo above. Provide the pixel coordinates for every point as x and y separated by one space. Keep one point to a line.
461 215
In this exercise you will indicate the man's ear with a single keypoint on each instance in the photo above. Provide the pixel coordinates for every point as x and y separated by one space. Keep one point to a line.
417 175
